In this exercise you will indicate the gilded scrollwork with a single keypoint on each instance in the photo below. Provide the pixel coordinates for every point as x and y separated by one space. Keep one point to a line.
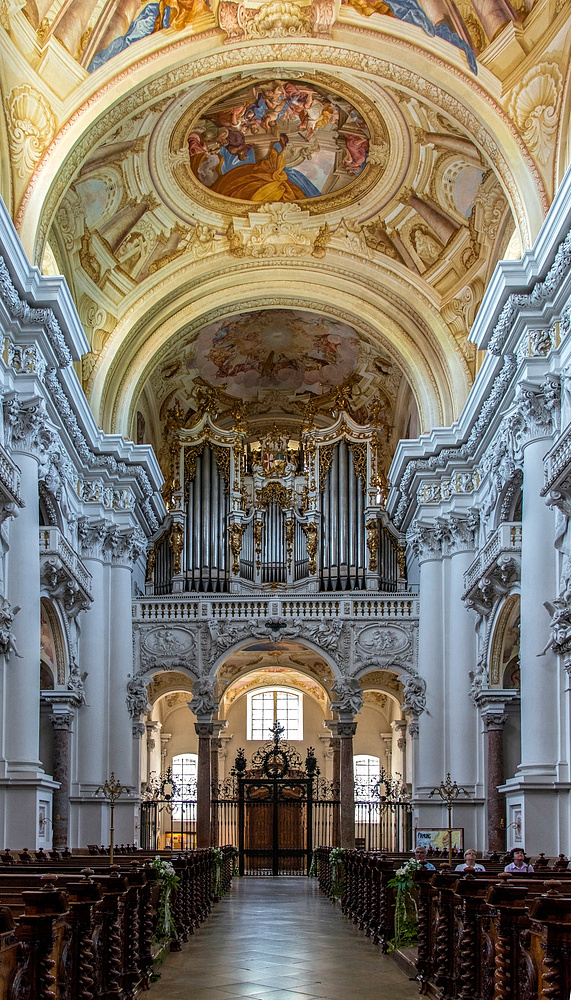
31 127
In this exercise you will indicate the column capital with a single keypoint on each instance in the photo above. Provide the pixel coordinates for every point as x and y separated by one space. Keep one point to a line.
341 729
425 539
204 730
535 412
91 535
123 546
493 704
493 720
26 425
62 716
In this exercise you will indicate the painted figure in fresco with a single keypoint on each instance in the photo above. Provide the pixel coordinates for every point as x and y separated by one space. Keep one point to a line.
449 23
279 141
153 17
285 350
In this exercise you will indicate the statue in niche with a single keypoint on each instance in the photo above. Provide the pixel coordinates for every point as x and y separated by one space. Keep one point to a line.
427 247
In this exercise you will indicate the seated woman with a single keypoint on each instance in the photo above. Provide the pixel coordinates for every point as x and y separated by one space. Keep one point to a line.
470 863
518 865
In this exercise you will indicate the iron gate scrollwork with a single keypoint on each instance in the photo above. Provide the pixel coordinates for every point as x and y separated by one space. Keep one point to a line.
276 805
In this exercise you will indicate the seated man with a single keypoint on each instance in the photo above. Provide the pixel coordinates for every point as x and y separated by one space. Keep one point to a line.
469 863
420 855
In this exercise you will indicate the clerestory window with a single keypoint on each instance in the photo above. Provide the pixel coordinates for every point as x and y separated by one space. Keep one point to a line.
275 705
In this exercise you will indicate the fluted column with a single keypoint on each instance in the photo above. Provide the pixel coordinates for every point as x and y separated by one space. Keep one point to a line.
61 720
428 750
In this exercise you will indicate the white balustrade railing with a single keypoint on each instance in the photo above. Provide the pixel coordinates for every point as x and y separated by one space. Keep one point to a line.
195 607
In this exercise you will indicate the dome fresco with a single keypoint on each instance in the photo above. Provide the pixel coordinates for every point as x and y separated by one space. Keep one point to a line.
275 349
278 141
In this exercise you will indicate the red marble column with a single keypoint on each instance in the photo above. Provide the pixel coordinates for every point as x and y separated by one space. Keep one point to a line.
345 732
215 745
336 780
204 731
61 721
494 723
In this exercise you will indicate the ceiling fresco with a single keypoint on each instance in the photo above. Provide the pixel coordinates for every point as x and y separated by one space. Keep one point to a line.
278 141
277 362
281 202
277 349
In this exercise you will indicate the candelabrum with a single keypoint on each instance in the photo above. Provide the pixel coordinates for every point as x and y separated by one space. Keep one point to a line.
449 791
111 791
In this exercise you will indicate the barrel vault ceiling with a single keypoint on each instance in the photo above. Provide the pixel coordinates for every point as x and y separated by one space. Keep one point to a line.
267 200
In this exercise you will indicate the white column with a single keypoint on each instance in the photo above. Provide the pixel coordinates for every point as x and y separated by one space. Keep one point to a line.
22 676
539 674
26 799
92 722
530 793
428 749
125 726
462 743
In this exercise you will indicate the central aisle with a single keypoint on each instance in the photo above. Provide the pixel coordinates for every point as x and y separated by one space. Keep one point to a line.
279 939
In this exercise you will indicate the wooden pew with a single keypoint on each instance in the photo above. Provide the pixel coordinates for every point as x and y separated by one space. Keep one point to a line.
87 934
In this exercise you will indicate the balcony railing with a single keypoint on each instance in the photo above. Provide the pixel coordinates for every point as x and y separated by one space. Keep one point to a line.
505 539
64 560
195 607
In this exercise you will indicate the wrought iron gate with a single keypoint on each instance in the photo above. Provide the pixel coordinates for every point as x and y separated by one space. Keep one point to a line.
276 809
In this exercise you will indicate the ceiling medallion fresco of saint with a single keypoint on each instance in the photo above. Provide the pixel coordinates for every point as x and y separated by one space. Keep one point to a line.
278 141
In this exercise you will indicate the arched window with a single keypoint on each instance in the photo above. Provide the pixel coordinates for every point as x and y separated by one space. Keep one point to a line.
184 774
275 705
366 770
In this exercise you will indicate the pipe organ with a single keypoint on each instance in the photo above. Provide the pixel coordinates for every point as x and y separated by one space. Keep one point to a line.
277 510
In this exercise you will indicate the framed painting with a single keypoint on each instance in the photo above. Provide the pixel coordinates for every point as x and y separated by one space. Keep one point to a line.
437 839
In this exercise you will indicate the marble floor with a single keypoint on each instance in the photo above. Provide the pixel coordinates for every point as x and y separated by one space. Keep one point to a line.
279 939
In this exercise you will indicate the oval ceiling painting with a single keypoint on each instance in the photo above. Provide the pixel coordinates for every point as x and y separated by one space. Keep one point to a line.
282 349
278 140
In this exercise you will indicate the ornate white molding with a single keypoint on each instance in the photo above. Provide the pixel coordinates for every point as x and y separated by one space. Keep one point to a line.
27 315
495 570
204 701
62 574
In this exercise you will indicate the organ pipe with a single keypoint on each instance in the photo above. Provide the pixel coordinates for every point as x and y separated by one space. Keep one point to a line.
206 537
343 524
